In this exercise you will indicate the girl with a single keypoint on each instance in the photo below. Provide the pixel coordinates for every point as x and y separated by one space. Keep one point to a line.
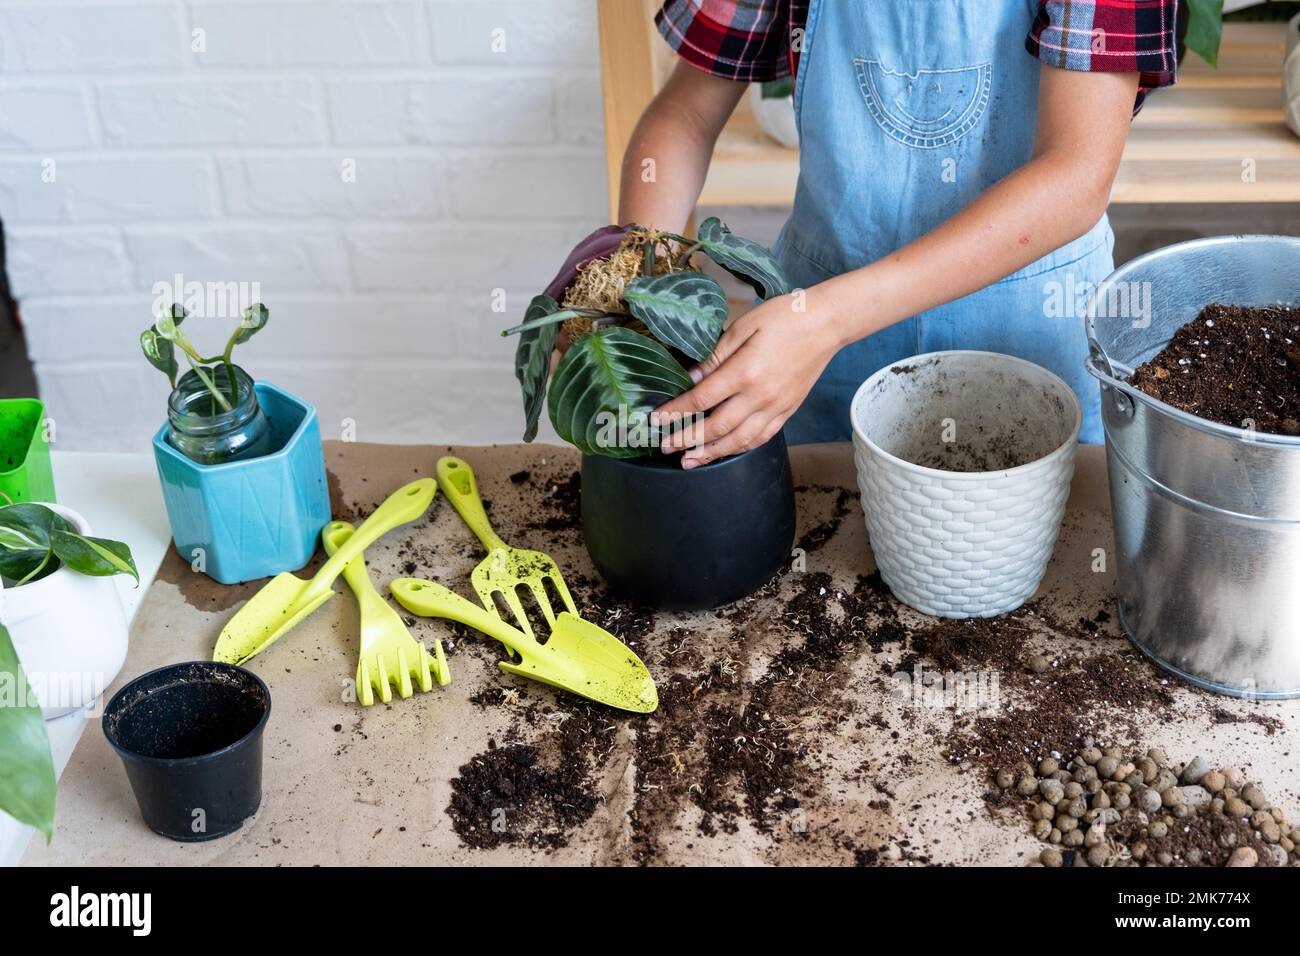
955 167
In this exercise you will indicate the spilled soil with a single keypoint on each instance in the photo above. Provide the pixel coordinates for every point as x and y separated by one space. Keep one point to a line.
1232 365
846 501
525 795
816 722
757 706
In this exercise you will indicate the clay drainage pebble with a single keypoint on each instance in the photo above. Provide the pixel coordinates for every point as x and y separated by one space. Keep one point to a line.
1105 807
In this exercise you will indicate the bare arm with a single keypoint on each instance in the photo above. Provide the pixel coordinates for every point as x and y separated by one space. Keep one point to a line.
668 156
1083 122
768 360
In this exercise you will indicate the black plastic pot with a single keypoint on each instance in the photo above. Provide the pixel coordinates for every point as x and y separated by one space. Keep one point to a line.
689 540
190 737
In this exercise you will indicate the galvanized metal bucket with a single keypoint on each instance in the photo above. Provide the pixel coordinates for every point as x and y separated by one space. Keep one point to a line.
1207 516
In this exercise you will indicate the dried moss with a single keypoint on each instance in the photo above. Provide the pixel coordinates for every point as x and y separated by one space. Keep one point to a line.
600 283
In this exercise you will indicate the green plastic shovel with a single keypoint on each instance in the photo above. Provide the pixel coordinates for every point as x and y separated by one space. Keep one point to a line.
273 611
578 657
506 571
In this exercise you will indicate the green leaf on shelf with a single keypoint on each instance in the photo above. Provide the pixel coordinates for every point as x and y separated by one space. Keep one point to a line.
1205 29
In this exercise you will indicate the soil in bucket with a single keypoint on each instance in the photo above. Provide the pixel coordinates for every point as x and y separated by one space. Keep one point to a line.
1232 365
190 737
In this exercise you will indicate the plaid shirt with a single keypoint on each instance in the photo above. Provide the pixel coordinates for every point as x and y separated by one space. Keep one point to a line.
760 40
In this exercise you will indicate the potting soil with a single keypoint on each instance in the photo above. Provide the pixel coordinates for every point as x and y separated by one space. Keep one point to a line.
1232 365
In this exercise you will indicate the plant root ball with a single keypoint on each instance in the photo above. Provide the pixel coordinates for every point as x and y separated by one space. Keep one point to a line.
600 283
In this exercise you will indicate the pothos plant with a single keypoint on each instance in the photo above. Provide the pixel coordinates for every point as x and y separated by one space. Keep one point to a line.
634 309
162 340
35 541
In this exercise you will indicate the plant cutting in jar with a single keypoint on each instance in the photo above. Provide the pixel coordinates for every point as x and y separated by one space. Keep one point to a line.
35 543
633 308
161 341
213 410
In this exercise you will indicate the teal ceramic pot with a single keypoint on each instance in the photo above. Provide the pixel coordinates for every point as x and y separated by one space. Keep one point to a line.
254 517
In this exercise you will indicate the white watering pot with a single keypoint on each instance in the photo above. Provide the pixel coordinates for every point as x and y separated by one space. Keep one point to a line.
775 116
69 631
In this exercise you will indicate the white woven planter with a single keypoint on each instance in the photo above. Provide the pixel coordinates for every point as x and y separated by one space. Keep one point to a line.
964 543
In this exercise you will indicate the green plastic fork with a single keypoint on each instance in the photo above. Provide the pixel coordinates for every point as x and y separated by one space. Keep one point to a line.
389 654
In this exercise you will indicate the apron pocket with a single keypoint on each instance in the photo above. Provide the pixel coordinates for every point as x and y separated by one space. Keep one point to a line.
927 109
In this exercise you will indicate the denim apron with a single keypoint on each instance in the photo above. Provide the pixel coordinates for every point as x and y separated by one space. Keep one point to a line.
908 110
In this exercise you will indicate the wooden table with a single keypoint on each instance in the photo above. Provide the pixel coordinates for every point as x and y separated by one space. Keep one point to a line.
858 766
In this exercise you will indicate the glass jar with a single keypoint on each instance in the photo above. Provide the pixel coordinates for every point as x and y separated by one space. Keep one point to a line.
204 432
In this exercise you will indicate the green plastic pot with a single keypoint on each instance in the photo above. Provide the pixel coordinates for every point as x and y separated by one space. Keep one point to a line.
25 473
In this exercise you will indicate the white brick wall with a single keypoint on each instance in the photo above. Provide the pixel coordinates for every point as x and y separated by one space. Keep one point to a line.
211 138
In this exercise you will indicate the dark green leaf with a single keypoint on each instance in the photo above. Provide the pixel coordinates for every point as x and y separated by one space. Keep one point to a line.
27 779
605 388
25 532
94 556
533 360
255 318
686 310
743 258
27 566
1205 29
17 539
34 538
28 526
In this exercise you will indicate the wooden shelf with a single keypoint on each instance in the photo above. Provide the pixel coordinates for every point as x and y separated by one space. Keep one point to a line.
1189 143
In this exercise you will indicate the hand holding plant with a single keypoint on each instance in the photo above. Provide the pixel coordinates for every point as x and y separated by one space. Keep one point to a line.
630 302
765 365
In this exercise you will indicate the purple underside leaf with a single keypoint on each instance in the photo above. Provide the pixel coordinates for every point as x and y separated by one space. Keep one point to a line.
599 244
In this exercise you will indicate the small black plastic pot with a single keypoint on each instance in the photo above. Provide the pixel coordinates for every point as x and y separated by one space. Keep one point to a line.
190 737
688 540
